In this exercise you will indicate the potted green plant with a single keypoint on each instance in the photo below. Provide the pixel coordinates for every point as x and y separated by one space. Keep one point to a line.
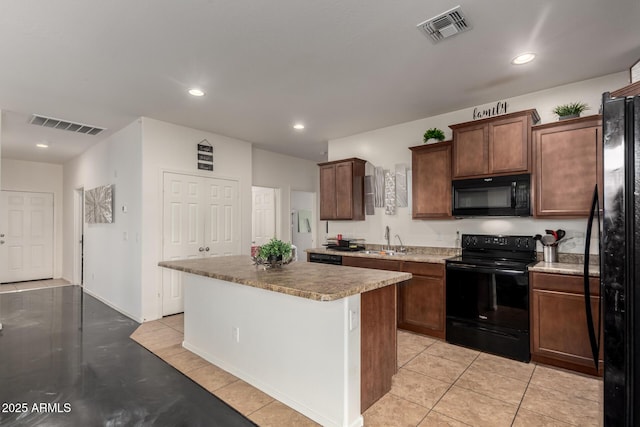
274 254
433 134
569 111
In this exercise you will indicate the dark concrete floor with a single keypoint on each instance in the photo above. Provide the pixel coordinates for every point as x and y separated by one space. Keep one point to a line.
66 359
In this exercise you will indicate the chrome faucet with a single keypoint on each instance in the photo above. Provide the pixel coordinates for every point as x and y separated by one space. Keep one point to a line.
401 248
386 236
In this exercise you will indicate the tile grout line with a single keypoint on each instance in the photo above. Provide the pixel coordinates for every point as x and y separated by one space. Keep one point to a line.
532 410
200 385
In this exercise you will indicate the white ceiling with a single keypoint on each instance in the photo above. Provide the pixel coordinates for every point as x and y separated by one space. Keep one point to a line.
340 66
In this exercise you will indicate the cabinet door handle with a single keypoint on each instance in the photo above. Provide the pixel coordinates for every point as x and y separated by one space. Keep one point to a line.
200 249
207 249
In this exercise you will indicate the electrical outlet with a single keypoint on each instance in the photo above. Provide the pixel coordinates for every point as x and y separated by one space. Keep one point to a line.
235 331
354 320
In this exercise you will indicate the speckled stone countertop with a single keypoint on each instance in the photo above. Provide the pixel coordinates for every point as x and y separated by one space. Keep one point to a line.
435 258
320 282
565 268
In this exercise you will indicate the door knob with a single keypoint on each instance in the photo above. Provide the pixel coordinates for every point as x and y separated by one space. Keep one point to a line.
2 235
207 249
1 242
201 249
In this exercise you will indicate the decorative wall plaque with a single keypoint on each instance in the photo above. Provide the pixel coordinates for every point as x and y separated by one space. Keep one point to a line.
98 205
205 155
498 109
389 192
401 186
634 71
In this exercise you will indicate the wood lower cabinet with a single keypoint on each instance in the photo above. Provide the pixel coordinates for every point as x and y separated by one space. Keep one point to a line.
421 300
378 344
431 180
493 146
559 333
342 190
568 164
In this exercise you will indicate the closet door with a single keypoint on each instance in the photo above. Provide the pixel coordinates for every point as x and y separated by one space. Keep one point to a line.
221 217
201 218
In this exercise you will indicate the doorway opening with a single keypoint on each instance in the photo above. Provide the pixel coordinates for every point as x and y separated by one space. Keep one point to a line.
78 236
303 230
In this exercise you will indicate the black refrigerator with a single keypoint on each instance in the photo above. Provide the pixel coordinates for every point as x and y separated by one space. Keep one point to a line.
619 261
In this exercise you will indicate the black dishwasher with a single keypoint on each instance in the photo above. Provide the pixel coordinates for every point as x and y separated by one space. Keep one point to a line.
325 258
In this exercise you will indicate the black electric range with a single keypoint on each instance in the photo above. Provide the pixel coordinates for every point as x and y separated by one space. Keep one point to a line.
487 294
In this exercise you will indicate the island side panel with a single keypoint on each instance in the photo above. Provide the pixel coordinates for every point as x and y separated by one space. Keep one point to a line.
378 343
300 351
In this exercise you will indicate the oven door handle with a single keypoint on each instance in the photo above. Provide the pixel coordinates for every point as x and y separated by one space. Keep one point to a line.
490 270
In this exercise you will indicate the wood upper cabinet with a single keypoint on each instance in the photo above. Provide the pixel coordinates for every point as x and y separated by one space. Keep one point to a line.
559 334
342 189
494 146
568 164
431 180
421 300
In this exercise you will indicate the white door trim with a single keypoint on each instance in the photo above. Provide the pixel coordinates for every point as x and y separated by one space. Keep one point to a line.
78 235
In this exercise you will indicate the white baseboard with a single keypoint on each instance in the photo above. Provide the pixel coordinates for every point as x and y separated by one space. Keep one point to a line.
118 309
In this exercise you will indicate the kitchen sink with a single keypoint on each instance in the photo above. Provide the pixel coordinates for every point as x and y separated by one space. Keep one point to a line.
384 252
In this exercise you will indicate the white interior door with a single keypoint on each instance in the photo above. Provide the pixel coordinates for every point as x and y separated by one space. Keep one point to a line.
200 218
221 217
263 218
26 236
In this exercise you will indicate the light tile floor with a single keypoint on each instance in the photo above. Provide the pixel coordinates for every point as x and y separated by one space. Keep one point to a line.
437 384
28 286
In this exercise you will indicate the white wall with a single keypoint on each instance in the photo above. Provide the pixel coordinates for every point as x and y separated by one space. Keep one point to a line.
166 146
0 148
112 263
286 173
388 146
19 175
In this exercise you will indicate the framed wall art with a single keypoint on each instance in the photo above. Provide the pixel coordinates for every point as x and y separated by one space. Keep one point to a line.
98 205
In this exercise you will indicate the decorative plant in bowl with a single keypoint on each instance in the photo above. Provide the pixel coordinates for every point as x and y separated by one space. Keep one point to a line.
433 133
274 254
569 111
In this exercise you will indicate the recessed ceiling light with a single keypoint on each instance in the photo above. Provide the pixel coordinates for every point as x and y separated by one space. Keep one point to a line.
523 58
196 92
41 145
298 126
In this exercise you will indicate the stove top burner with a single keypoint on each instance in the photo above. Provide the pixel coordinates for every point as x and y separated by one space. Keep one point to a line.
497 251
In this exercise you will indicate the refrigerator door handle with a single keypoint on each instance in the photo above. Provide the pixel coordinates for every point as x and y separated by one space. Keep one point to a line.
595 342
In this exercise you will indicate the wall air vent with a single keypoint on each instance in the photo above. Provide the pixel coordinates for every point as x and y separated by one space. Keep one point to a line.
445 25
50 122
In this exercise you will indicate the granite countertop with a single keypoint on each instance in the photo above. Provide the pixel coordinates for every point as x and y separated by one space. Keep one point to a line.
435 258
565 268
320 282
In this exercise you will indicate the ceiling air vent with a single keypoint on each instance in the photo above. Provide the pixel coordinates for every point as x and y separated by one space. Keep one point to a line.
50 122
445 25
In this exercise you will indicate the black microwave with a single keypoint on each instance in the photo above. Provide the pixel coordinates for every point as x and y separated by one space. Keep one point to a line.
492 196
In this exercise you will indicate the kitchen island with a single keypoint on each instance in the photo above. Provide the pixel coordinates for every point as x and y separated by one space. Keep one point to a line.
319 338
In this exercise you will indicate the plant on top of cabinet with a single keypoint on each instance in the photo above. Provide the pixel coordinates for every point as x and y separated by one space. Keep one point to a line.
342 189
570 111
433 133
